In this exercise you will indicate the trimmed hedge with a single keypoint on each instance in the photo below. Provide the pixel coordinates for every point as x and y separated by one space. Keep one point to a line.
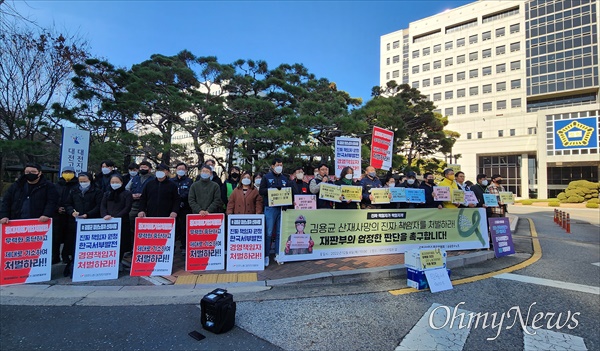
579 191
593 201
554 204
592 205
527 202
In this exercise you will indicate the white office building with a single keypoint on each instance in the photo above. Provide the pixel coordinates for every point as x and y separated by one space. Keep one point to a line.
517 79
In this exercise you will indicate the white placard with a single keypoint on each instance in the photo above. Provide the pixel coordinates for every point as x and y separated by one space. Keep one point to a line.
438 280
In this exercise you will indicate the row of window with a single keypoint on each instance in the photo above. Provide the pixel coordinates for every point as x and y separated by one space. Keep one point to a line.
473 91
448 78
425 67
511 132
485 107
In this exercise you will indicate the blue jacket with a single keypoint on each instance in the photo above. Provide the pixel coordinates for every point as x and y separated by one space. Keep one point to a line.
367 184
272 180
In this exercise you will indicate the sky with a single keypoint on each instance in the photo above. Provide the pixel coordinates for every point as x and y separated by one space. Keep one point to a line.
337 40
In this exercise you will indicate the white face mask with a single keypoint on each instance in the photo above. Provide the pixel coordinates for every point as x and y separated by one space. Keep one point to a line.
181 173
300 176
204 175
105 170
160 174
246 181
84 185
411 181
348 176
257 182
316 174
132 173
278 169
392 185
484 182
115 186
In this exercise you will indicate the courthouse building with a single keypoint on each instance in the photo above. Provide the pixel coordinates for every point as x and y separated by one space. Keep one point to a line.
517 79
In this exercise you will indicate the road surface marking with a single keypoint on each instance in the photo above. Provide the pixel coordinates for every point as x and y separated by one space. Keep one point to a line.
423 337
552 283
551 340
596 264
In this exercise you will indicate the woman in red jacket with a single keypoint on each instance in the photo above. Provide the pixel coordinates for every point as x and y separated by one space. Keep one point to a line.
245 198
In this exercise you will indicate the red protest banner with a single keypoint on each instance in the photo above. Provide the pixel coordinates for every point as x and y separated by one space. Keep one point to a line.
381 148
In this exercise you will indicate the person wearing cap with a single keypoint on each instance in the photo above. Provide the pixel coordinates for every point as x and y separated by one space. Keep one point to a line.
205 195
183 183
160 197
302 242
245 198
495 188
449 182
31 196
60 221
102 181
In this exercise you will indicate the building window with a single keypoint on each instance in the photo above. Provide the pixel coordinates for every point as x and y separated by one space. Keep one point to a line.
474 108
448 111
387 75
415 84
396 44
437 110
448 62
415 54
426 82
486 53
512 132
415 69
437 48
515 46
515 65
515 84
532 130
460 110
460 93
460 59
514 28
473 73
500 86
388 46
514 103
501 105
500 32
487 106
426 67
437 80
396 59
473 91
395 74
448 45
468 135
473 39
486 89
448 78
426 51
501 68
437 97
500 50
460 42
448 95
500 133
473 56
437 64
460 76
486 71
479 135
486 36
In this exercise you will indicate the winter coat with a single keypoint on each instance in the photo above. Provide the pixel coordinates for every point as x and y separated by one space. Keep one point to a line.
249 203
159 199
42 199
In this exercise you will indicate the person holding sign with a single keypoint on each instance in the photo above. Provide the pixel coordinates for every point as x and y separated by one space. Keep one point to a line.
205 195
410 182
245 198
116 203
449 182
369 181
275 179
346 178
315 187
427 185
495 188
299 243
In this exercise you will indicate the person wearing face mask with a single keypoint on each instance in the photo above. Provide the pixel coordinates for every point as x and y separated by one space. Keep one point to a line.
369 181
132 171
258 179
183 183
31 196
315 186
83 202
245 198
479 189
299 186
427 185
214 177
136 186
205 195
347 178
495 188
409 182
274 179
60 220
449 182
107 170
116 203
160 197
230 183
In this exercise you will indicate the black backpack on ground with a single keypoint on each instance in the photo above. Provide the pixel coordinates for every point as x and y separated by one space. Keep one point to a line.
218 311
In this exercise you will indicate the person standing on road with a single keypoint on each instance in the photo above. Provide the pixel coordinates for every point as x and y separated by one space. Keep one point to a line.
346 178
427 185
315 186
116 203
496 188
245 198
60 221
449 182
102 180
160 196
205 195
184 183
369 181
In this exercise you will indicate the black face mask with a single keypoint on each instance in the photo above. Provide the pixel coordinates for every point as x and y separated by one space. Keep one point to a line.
431 181
235 176
31 177
144 171
498 181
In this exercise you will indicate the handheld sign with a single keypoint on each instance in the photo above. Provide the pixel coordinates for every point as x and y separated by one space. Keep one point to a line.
490 200
507 198
352 193
438 280
398 194
415 196
441 193
380 195
458 196
330 192
97 244
281 197
470 198
501 236
305 202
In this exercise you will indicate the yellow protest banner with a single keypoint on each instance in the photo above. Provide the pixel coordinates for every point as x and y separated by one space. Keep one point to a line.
352 193
380 195
281 197
507 198
458 196
330 192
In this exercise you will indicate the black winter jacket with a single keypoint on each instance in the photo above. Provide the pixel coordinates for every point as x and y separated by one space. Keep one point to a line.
159 199
116 203
43 199
85 203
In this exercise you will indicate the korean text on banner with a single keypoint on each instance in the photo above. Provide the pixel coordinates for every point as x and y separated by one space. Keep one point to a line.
75 148
441 193
381 148
97 249
305 202
351 233
205 242
153 246
330 192
347 154
352 193
398 194
281 197
501 236
245 234
415 196
490 200
507 198
26 250
380 195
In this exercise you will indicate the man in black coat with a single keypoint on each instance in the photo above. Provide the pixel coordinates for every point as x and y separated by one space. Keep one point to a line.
60 221
160 197
31 196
